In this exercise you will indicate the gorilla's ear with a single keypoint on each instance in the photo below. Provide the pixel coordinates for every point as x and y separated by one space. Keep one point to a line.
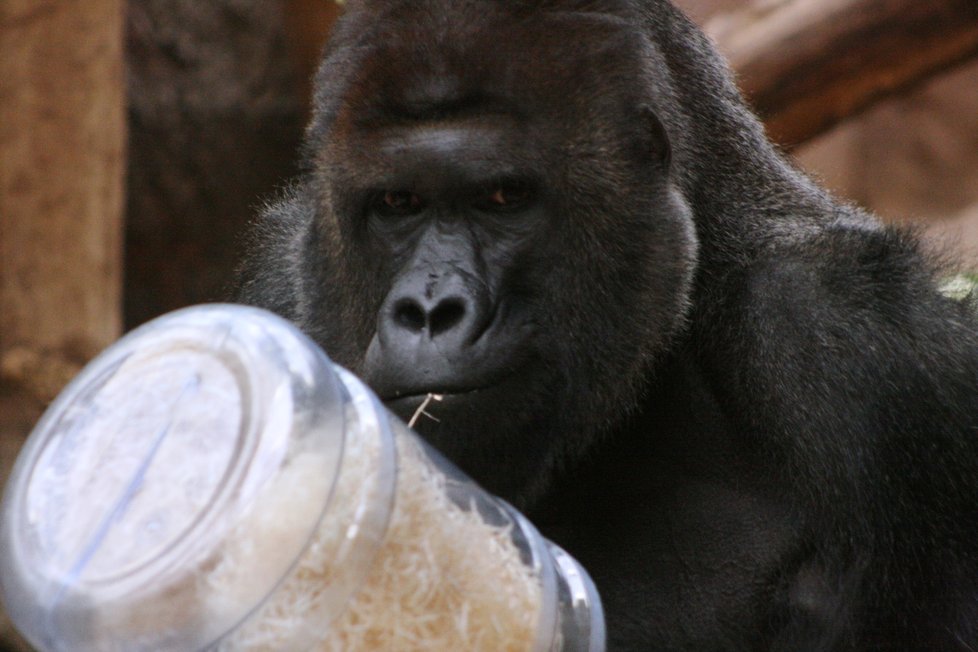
659 145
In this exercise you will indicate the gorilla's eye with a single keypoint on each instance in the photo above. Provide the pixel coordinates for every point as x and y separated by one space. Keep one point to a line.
394 203
507 196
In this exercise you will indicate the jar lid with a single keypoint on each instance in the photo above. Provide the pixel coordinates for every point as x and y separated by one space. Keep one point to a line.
149 462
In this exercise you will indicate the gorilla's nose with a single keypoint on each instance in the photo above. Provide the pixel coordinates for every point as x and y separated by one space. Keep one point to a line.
437 317
428 334
448 306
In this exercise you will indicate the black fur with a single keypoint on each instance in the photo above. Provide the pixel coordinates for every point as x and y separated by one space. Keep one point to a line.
741 404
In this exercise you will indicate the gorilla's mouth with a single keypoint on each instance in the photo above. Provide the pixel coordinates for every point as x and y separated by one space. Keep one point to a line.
434 394
426 404
461 397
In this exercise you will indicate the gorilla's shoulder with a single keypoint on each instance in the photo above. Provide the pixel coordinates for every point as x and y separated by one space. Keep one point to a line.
848 272
843 325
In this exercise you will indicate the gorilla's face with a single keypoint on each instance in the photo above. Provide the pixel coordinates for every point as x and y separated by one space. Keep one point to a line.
496 223
461 216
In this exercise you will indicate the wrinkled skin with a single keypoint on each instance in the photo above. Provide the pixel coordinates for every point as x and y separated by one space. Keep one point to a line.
744 407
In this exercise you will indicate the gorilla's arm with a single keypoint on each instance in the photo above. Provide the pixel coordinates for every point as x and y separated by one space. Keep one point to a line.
807 454
858 380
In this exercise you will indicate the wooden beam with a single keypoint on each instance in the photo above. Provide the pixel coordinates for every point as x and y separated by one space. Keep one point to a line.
62 135
805 65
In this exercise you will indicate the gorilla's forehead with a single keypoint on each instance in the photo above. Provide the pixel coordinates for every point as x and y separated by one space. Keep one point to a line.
427 64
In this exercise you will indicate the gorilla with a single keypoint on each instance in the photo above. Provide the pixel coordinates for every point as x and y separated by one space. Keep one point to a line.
744 406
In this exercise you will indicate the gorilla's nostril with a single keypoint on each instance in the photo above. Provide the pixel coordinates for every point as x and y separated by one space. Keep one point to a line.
446 315
408 314
411 315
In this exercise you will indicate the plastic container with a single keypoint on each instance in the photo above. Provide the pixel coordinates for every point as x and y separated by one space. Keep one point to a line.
213 481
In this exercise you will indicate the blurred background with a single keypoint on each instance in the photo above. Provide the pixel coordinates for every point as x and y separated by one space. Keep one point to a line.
139 139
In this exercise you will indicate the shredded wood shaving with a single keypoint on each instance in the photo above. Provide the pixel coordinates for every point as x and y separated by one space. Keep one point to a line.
421 409
443 580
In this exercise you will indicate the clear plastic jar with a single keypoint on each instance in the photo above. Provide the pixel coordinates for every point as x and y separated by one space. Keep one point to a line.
213 481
